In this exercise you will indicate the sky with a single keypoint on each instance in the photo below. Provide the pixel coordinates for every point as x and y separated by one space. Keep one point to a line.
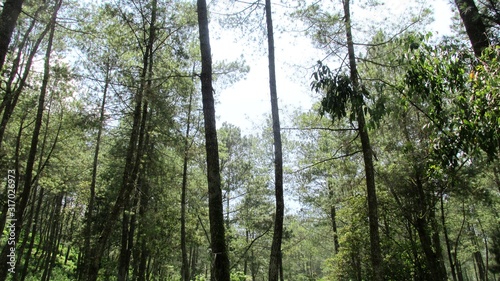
247 102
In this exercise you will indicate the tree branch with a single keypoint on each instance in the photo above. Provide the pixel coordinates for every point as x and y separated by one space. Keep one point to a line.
249 246
326 160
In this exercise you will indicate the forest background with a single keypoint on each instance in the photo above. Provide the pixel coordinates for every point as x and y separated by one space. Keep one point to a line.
114 168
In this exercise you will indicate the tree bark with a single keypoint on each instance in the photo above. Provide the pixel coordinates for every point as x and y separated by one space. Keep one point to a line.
126 243
276 256
142 238
8 19
375 251
220 259
474 25
185 261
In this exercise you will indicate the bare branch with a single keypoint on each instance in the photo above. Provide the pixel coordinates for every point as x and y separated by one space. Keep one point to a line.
326 160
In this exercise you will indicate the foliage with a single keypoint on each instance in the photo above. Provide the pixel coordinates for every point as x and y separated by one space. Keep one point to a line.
341 98
457 94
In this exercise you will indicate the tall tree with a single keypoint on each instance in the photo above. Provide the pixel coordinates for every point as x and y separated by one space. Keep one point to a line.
275 261
135 149
93 183
343 92
376 254
220 260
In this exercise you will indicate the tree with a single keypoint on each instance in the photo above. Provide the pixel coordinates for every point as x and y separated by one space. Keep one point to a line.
341 90
275 263
376 254
135 149
220 262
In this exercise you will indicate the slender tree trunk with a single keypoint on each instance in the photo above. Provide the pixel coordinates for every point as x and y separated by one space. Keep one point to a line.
486 250
90 208
275 259
125 250
496 173
220 259
41 166
135 150
143 249
134 155
247 240
423 225
333 218
193 260
478 257
8 19
33 233
185 261
447 241
25 193
474 25
436 241
375 251
70 225
53 239
460 274
141 252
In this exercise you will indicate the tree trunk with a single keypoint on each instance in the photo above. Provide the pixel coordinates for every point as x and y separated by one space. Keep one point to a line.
375 254
53 244
8 19
126 245
447 241
134 155
90 208
185 261
333 218
436 241
478 257
143 249
194 260
474 25
33 233
275 259
220 260
496 174
135 150
423 225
